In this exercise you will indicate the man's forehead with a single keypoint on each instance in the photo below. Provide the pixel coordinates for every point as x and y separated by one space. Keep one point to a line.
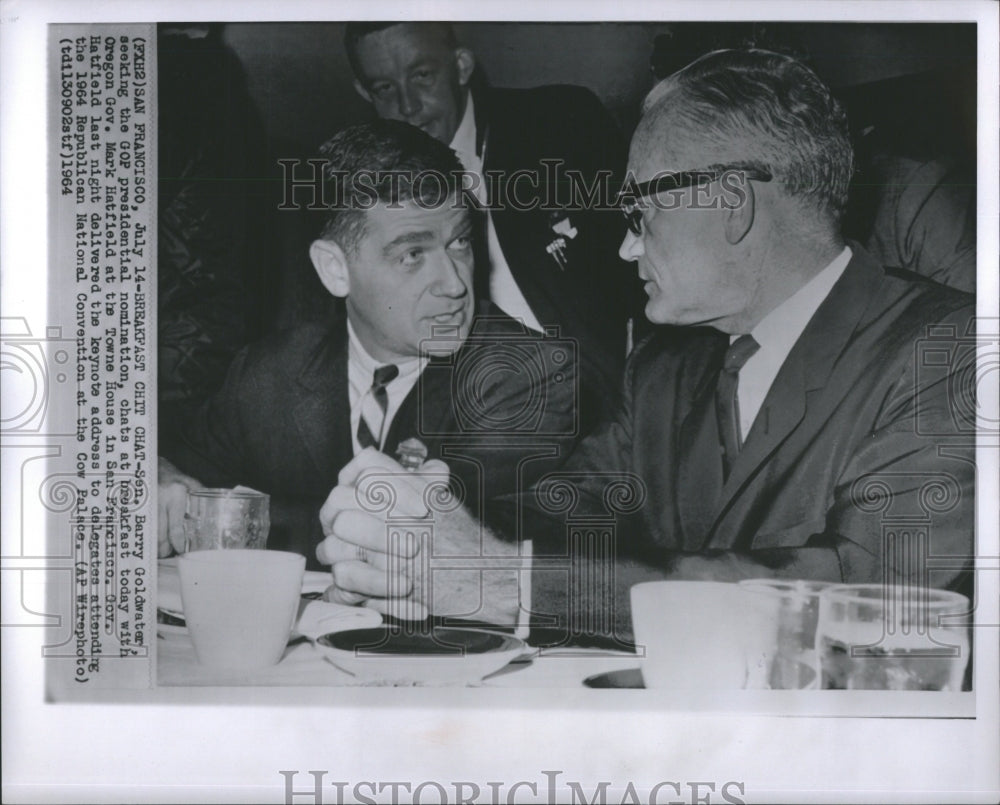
406 42
662 142
653 152
407 216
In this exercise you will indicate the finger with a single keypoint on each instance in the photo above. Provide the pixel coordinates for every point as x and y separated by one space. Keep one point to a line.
368 497
361 529
406 498
369 458
335 595
369 473
175 532
402 608
340 498
333 550
359 577
435 466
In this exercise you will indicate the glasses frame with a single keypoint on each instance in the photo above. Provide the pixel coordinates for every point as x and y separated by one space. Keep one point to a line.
631 195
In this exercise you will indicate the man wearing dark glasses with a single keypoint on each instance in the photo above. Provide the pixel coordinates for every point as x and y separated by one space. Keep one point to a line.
805 413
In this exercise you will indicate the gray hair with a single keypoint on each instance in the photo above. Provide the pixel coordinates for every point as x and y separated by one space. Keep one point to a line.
773 108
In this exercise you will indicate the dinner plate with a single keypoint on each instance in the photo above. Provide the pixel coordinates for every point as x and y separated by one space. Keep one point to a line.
438 656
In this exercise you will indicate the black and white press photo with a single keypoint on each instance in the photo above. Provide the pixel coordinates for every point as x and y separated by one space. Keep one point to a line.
595 405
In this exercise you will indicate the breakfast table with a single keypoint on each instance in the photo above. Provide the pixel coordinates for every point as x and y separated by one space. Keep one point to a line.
306 663
584 674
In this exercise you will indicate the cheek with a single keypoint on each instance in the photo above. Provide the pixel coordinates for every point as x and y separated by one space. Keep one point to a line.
466 268
387 110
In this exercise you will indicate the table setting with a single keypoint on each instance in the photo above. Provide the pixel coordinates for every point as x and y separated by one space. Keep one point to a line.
233 613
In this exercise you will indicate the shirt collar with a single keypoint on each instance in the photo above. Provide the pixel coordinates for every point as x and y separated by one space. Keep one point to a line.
781 328
464 141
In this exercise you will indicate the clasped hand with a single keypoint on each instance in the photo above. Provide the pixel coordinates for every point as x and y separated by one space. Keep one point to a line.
371 560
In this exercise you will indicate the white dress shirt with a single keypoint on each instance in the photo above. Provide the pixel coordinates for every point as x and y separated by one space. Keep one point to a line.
777 333
360 371
503 288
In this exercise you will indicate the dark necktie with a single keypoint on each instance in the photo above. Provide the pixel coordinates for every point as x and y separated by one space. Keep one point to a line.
370 426
727 407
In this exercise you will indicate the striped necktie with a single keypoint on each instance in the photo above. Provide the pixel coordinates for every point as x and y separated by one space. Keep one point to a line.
374 407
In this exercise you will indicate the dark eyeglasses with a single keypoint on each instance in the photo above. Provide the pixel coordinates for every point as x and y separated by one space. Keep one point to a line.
631 195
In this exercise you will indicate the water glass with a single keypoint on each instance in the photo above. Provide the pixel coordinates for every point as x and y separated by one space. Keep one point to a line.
892 637
218 519
794 663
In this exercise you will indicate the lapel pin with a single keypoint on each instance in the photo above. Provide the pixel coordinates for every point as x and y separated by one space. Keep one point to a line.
557 249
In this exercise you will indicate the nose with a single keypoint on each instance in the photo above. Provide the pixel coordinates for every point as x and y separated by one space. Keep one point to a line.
631 248
409 102
449 280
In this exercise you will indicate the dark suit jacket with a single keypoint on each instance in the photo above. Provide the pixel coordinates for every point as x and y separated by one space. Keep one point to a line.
863 441
592 297
500 412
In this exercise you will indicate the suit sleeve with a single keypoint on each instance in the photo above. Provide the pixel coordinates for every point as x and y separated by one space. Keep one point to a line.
905 503
519 412
580 518
574 487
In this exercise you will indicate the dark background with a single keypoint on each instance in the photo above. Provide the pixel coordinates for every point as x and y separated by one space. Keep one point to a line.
298 76
236 98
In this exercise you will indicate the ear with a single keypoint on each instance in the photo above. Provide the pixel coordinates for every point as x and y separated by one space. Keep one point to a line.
330 263
465 61
360 89
739 207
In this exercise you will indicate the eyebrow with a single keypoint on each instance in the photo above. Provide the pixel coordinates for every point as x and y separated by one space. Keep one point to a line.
422 236
424 61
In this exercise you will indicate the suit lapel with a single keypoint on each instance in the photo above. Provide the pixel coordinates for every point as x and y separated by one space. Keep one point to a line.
806 369
322 410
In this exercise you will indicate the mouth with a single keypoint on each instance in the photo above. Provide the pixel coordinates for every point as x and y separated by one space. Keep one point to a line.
453 317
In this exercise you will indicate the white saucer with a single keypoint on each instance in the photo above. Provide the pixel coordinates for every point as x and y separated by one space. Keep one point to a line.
387 656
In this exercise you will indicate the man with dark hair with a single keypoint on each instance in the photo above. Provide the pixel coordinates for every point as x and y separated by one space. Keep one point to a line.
412 358
551 252
806 401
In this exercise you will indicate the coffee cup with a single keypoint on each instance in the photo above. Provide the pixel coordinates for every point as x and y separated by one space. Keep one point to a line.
240 606
703 635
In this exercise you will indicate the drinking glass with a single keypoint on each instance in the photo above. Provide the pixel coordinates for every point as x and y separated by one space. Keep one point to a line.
892 637
225 519
794 664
